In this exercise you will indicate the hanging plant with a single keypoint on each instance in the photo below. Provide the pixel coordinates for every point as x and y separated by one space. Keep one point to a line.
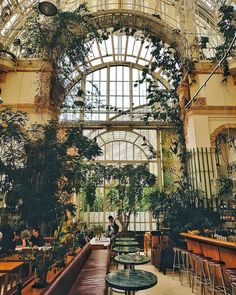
168 59
64 39
227 28
225 186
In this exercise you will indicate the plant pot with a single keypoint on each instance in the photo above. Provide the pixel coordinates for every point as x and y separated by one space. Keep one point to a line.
40 282
40 285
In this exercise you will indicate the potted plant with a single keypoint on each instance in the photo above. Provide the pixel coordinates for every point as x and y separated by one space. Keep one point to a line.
50 256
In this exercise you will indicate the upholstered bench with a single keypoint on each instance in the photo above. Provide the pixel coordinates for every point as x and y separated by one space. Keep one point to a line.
85 275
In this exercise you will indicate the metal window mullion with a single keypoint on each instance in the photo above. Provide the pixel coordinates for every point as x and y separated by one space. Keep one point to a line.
108 82
116 87
113 47
126 47
83 87
104 205
131 90
122 89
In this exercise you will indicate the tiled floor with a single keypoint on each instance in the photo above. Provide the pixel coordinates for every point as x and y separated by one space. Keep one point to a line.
166 284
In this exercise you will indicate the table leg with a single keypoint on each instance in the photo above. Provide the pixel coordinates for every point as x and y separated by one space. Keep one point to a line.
5 283
129 292
19 274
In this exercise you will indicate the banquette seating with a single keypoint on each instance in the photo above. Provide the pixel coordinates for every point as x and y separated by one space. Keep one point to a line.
85 275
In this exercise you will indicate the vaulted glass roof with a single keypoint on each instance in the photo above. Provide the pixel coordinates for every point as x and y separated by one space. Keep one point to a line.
202 13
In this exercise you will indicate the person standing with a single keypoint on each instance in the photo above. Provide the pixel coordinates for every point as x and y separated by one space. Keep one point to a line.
114 227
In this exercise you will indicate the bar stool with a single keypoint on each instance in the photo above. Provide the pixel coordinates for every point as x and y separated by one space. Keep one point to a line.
196 274
231 272
233 286
177 263
215 287
186 265
205 277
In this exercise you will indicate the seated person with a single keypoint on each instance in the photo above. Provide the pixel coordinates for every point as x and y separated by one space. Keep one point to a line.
36 238
17 239
7 243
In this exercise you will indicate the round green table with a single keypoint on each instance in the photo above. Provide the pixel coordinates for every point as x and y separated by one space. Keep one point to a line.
131 280
126 243
125 249
131 260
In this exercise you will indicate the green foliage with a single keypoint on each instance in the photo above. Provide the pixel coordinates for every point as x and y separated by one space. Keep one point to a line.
180 211
65 38
67 238
128 194
39 176
203 42
168 59
90 191
223 138
227 28
225 186
13 138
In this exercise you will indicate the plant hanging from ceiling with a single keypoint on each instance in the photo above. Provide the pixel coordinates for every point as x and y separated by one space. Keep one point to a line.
64 39
67 39
227 28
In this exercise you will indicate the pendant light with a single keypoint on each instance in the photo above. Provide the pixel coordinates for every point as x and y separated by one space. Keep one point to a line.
144 143
48 8
79 99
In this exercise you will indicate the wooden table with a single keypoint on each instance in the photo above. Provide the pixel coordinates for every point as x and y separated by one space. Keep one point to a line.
8 267
215 249
12 258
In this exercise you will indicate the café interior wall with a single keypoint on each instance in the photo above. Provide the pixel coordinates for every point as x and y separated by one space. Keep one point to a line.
27 88
214 106
219 90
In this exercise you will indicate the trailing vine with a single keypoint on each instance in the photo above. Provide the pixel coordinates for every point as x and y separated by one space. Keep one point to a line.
227 28
64 39
67 38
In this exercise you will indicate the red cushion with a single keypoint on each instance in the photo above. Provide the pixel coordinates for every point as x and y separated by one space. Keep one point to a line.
90 282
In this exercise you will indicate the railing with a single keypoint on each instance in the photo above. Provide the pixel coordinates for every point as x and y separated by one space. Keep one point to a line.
202 172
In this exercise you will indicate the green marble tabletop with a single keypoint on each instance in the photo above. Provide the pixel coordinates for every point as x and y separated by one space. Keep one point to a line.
126 243
131 279
125 239
125 249
132 259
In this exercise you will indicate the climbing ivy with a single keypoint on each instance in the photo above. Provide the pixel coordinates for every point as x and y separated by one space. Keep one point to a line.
227 28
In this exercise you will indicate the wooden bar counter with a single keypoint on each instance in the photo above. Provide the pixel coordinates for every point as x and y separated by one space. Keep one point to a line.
216 249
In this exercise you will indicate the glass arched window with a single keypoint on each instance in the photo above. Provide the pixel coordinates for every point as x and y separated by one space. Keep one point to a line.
110 93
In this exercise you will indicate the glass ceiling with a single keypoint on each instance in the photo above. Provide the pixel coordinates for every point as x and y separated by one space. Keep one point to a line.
118 49
14 14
